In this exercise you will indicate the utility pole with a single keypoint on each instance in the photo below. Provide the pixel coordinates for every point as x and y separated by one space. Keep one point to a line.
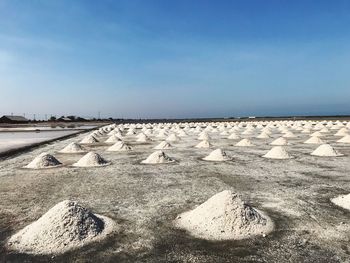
99 115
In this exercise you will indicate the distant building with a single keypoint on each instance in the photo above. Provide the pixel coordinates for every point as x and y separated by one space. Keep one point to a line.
64 119
13 119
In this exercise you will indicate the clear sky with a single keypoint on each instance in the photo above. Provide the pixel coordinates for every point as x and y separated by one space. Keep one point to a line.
175 58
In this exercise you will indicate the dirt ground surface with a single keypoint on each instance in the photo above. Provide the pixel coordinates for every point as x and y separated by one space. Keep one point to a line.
144 199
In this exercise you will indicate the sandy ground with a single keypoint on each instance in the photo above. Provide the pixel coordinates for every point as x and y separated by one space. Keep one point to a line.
144 199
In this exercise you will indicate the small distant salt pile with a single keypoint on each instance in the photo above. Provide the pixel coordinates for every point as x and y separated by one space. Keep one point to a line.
119 146
158 157
43 160
342 201
203 136
223 217
163 145
314 140
217 155
277 152
182 133
142 138
317 134
65 226
345 139
172 138
279 142
113 139
233 136
244 143
73 148
203 144
89 139
224 133
289 134
342 132
263 135
91 159
326 150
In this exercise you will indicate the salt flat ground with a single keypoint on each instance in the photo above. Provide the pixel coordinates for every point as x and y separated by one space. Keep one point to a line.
144 199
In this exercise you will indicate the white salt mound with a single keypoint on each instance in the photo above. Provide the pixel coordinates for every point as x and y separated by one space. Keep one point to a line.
345 139
277 152
91 159
89 139
244 142
113 139
163 145
119 146
65 226
158 157
326 150
342 201
217 155
314 140
224 216
203 144
73 148
279 141
44 160
172 138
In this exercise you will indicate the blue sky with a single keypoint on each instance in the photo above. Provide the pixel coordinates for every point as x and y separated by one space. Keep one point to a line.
183 58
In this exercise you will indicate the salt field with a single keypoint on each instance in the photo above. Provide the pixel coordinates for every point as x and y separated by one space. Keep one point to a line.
161 199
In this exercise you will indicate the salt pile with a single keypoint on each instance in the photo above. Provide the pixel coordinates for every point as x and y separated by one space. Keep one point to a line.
44 160
203 144
65 226
163 145
244 142
119 146
142 138
314 140
91 159
279 142
217 155
203 136
342 201
277 152
345 139
172 138
113 139
89 139
326 150
73 148
158 157
233 136
263 135
223 217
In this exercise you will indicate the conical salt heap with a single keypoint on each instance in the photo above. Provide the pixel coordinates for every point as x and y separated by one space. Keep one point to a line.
244 142
233 136
342 201
119 146
158 157
345 139
73 148
142 138
317 134
163 145
91 159
203 144
172 138
223 217
203 136
279 142
277 152
217 155
89 139
342 132
314 140
289 134
43 160
263 135
65 226
326 150
113 139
